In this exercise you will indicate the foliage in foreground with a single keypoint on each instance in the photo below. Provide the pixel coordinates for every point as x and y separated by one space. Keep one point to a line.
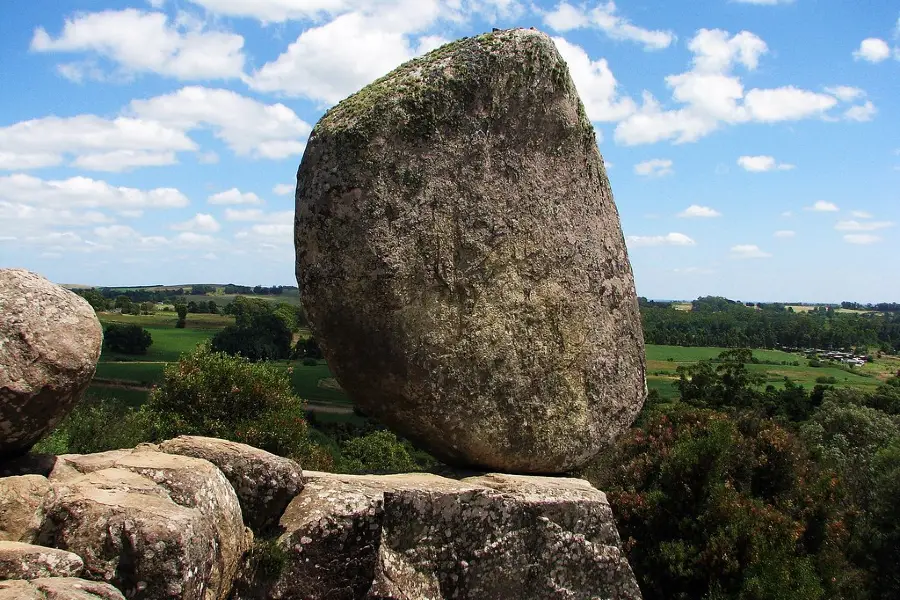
214 394
738 492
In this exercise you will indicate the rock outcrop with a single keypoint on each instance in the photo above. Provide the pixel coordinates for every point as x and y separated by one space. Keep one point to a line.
58 588
421 536
22 507
462 262
155 525
264 483
50 341
27 561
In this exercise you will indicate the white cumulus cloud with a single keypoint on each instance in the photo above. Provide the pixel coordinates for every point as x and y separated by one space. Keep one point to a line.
785 233
199 223
283 189
748 251
234 196
822 206
595 83
247 126
656 167
760 164
695 211
873 50
670 239
605 17
145 42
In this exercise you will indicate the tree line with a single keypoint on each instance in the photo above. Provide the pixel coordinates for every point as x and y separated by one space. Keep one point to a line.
716 321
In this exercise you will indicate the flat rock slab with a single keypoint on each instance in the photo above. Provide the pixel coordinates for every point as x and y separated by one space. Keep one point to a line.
50 341
461 259
419 536
58 588
27 561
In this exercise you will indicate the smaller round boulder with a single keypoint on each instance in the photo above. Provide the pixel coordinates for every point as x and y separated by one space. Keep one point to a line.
50 340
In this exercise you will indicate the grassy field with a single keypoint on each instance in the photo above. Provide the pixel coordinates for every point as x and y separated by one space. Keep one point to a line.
317 385
662 362
167 319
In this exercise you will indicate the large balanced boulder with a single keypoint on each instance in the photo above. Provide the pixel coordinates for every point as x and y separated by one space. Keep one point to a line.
462 262
50 341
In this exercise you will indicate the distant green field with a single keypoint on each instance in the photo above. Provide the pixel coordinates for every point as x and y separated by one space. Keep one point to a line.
138 373
168 345
662 362
167 319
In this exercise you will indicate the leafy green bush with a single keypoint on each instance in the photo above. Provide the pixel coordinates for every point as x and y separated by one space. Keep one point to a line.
711 505
215 394
377 452
127 339
826 380
97 426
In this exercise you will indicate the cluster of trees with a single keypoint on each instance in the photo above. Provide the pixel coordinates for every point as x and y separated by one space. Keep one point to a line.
717 321
742 491
880 307
259 290
262 330
126 339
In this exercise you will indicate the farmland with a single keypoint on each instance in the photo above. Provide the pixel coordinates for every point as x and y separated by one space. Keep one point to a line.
132 376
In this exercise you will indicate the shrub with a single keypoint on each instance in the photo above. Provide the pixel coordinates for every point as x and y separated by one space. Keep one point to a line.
377 452
265 338
827 380
310 362
87 429
215 394
127 339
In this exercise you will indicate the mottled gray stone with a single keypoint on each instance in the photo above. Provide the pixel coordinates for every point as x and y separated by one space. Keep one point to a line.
58 588
156 525
511 538
50 341
27 561
420 536
462 262
264 483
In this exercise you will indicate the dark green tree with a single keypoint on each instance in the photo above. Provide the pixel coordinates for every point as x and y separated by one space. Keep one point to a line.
126 339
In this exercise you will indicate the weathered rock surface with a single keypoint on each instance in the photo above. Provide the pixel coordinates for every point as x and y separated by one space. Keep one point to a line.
58 588
50 341
264 483
155 525
421 536
521 538
27 561
22 507
462 262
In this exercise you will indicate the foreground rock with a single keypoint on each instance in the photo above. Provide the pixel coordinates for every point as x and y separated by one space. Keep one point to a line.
264 483
58 588
155 525
421 536
27 561
50 341
461 259
22 501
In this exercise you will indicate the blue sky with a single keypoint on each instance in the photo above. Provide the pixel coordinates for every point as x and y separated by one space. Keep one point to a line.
753 146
